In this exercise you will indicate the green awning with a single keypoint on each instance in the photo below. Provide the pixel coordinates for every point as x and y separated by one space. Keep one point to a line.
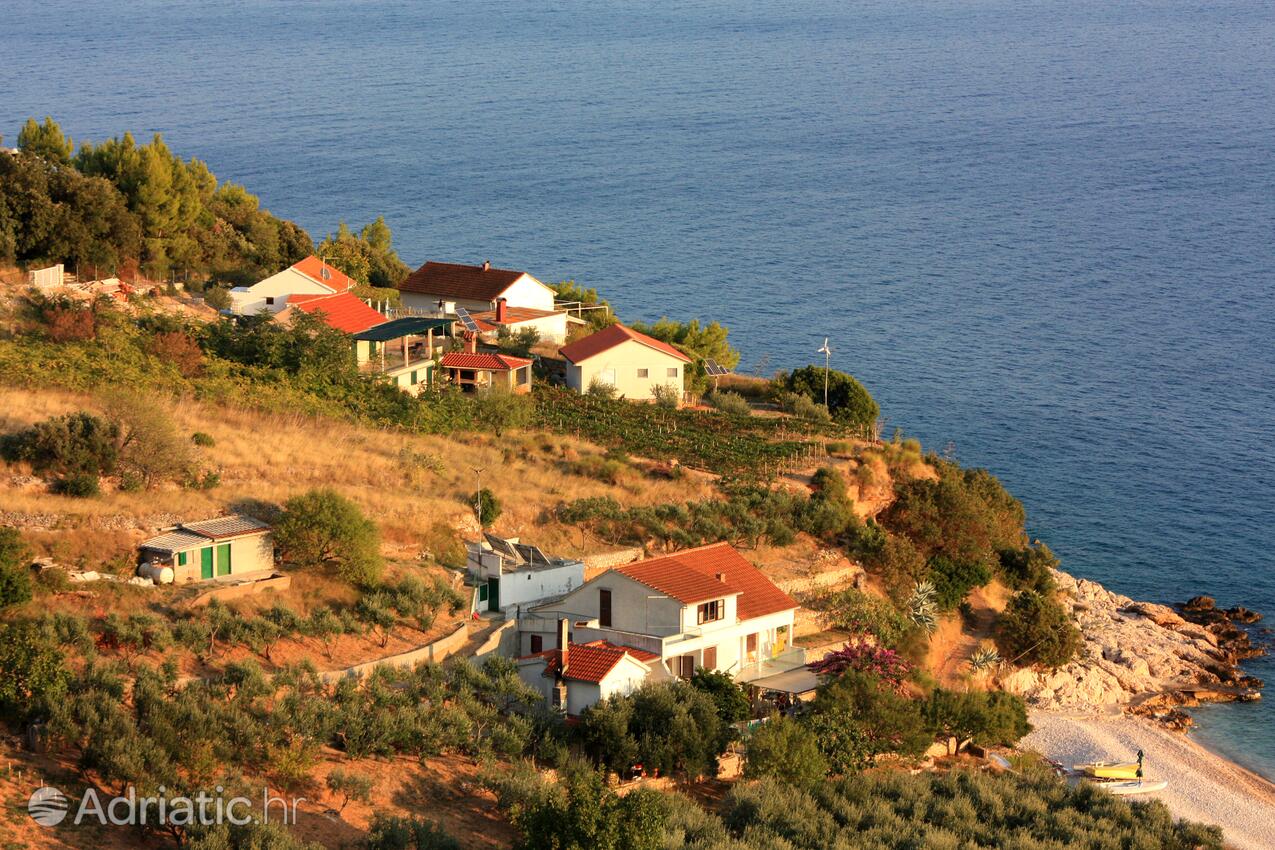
406 326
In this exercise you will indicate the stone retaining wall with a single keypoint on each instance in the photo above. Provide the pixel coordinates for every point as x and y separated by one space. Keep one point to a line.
435 652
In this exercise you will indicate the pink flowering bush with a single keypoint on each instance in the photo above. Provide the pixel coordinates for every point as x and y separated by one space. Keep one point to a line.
886 664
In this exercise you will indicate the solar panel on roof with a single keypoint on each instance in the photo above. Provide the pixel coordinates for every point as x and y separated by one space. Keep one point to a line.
532 553
466 320
501 545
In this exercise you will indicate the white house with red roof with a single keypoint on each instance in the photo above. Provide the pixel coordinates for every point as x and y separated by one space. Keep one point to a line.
706 607
442 287
573 676
310 276
632 362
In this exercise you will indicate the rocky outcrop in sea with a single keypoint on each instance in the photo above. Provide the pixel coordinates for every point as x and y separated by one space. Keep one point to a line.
1143 657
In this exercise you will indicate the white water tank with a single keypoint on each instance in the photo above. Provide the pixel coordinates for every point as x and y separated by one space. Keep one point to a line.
158 573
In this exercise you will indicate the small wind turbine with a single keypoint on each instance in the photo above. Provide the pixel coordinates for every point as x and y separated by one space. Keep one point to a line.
827 367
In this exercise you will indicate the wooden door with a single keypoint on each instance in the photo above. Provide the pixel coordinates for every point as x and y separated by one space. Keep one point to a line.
206 562
223 559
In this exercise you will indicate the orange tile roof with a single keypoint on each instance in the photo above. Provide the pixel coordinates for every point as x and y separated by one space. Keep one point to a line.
490 362
314 268
592 661
454 280
611 336
342 311
691 576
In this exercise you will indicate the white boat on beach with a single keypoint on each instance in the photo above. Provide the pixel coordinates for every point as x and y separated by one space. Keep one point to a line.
1134 786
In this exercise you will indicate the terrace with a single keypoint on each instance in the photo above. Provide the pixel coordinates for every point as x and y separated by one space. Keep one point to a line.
403 350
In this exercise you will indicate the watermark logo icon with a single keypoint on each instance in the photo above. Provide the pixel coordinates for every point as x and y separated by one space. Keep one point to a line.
48 806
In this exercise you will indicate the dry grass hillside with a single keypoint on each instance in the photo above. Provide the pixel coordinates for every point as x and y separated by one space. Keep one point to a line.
410 485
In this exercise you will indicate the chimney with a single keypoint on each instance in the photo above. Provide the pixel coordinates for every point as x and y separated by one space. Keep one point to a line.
564 643
721 577
486 265
501 306
472 339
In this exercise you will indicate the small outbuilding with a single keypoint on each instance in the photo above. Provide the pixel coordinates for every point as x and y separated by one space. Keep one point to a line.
631 362
225 548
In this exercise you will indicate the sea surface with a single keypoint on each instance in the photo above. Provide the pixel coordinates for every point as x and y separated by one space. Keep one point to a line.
1042 232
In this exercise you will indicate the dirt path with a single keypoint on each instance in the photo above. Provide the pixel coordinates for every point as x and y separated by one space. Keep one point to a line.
957 637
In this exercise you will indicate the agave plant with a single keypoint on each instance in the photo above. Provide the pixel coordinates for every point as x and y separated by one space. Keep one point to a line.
984 659
922 607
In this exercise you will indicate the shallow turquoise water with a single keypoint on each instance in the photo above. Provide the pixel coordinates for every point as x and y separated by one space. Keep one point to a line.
1042 230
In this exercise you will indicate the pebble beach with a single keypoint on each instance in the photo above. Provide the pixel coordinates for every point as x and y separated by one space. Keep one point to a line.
1203 786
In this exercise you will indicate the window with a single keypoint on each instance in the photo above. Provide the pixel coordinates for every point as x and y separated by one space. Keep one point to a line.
685 666
710 658
604 608
523 375
750 646
710 611
672 371
644 373
537 644
270 299
181 559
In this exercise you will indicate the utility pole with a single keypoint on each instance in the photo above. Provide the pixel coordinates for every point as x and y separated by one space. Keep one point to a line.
827 367
478 496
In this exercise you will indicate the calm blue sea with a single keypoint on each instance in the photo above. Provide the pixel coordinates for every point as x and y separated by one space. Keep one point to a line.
1041 230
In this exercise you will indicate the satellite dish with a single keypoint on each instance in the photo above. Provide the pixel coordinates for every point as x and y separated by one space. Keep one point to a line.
325 273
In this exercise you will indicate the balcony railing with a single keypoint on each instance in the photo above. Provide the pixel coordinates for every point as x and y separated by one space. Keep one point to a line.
790 659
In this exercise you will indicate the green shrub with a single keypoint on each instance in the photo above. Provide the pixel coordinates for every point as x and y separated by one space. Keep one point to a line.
1029 568
203 439
35 677
487 506
1035 629
583 814
15 573
980 717
75 444
666 396
966 515
81 486
670 727
848 401
856 717
953 580
390 832
731 700
601 389
349 786
729 402
322 528
217 297
784 749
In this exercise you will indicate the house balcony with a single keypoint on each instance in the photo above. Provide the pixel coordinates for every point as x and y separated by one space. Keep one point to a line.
790 659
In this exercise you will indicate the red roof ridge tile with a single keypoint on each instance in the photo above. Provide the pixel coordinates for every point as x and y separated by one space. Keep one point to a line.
611 336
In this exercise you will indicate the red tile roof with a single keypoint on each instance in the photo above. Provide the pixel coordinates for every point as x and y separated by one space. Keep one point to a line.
513 315
592 661
342 311
691 576
611 336
453 280
490 362
314 268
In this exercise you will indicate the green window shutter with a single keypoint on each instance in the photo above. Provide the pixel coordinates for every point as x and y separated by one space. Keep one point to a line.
413 377
181 559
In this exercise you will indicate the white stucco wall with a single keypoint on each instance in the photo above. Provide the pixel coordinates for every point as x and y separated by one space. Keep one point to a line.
551 328
528 587
526 291
250 300
621 367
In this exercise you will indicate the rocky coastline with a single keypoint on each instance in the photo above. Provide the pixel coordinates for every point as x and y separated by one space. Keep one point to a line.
1143 658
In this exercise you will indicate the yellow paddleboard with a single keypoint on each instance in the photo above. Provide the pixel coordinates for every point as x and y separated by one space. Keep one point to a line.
1110 770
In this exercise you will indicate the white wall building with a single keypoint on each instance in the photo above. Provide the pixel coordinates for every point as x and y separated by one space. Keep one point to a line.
310 276
705 607
446 286
632 362
574 678
511 576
